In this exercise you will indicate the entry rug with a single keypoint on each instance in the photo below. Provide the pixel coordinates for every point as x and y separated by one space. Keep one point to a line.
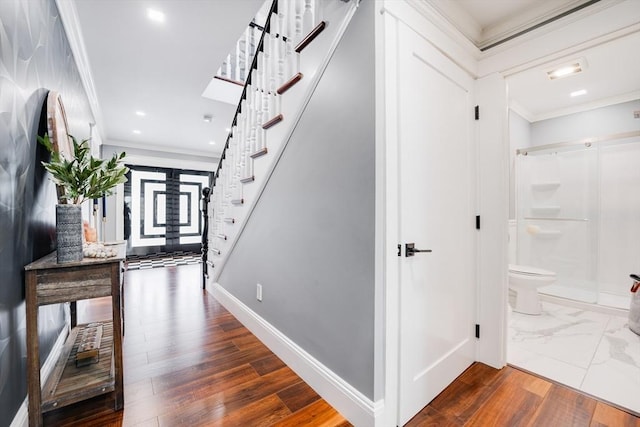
162 259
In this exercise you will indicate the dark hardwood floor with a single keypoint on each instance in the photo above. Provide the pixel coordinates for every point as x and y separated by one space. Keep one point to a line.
189 362
484 396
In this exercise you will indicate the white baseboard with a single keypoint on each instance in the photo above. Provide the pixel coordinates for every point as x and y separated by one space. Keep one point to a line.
21 419
353 405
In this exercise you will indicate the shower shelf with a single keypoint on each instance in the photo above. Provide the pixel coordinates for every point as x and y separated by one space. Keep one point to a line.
545 210
545 186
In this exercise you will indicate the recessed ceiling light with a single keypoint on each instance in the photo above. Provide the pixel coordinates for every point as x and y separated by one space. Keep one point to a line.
207 118
227 130
155 15
212 143
567 69
141 113
137 132
578 93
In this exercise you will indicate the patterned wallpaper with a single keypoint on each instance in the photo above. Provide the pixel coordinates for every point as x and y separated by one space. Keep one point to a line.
34 58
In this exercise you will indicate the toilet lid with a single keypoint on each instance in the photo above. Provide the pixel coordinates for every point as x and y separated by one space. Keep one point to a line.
532 271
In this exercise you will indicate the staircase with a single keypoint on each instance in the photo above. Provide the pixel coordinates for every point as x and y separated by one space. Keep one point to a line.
296 44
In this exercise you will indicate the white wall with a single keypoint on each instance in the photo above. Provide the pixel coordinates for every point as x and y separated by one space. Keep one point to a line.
588 124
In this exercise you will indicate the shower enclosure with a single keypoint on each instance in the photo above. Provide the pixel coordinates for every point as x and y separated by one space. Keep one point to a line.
578 214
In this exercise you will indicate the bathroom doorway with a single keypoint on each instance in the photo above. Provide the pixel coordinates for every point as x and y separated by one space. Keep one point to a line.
574 210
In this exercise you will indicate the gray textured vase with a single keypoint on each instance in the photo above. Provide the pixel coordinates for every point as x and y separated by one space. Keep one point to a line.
69 233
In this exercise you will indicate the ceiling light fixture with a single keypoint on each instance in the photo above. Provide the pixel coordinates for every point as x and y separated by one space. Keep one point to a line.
155 15
207 118
141 113
212 143
137 132
227 130
578 93
567 69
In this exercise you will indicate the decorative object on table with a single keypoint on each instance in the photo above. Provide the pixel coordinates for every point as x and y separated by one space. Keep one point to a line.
98 250
88 350
634 310
90 233
80 177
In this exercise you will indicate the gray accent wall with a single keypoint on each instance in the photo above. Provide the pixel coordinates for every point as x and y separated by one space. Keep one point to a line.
310 239
34 58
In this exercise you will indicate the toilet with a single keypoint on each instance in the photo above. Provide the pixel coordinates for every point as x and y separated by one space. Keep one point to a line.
525 281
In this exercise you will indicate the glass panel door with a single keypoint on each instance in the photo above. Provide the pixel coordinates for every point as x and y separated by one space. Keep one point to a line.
162 210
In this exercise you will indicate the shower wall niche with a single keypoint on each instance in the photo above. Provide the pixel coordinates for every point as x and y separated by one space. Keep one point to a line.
578 214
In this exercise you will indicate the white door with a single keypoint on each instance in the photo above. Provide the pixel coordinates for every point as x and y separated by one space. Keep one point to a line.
436 208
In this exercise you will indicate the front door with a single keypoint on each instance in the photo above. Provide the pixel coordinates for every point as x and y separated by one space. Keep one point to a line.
436 208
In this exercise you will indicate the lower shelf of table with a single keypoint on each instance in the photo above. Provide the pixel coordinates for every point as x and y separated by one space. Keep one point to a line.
69 384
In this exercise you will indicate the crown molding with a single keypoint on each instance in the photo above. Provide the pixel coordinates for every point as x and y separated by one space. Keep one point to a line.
73 30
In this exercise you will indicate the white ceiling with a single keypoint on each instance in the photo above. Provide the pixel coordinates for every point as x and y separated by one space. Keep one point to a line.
485 22
163 69
613 68
612 75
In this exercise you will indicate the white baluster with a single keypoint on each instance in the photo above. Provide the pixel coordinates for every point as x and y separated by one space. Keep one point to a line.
307 18
247 51
282 27
228 66
236 75
266 114
298 20
319 10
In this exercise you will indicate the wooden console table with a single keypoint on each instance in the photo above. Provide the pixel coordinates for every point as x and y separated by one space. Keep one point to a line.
48 282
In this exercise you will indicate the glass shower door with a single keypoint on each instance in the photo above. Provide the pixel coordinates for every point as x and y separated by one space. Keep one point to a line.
556 213
619 226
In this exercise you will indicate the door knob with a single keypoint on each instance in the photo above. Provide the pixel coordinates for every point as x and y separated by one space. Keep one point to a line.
410 249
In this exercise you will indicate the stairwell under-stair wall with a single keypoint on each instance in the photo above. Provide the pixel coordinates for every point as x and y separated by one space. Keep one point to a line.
309 241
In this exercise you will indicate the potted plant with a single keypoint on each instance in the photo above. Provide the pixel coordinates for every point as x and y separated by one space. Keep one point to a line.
78 179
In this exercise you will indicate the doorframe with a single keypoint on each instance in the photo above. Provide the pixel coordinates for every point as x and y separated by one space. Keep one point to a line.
490 349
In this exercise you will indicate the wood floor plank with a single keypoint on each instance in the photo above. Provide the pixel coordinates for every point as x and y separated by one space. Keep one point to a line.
267 364
532 383
317 414
463 398
608 416
565 407
510 405
246 341
208 407
212 383
298 396
481 374
264 412
142 389
430 417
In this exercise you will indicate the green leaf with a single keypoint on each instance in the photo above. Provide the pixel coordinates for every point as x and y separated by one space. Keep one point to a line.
84 177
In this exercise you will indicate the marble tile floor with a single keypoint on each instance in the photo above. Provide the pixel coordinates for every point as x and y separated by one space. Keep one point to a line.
592 352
